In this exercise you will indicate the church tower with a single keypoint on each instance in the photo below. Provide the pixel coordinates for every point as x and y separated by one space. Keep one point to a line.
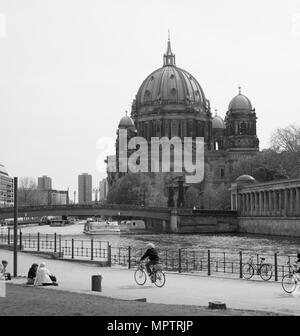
241 126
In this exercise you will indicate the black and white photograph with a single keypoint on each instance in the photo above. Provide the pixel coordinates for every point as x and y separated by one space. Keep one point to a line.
149 161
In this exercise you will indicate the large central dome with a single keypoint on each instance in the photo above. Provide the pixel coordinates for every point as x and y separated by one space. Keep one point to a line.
170 85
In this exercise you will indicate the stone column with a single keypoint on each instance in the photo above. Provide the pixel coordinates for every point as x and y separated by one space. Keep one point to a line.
265 203
255 203
275 205
298 201
243 205
292 200
286 202
248 204
280 202
270 203
251 204
260 196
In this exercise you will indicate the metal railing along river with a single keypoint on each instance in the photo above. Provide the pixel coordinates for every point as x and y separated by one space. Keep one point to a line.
183 260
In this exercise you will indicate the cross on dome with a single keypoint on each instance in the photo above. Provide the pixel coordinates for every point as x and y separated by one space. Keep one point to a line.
169 57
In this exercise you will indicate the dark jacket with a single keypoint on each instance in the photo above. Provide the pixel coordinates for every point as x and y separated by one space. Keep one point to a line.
32 273
152 254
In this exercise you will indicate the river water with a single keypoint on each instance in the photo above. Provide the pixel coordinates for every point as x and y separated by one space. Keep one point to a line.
220 242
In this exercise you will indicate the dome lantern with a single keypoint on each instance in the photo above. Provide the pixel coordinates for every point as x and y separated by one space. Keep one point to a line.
169 57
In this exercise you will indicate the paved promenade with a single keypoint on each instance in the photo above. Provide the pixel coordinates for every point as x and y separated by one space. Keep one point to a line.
179 288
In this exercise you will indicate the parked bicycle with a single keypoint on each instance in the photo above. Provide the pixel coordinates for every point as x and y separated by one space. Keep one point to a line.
157 276
264 270
290 280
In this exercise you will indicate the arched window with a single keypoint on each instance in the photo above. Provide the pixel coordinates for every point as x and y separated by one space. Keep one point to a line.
147 96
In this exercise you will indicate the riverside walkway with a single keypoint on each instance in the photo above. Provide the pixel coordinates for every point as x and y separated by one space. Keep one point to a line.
179 289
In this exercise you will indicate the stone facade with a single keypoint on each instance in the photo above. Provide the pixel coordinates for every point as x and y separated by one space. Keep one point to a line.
267 208
170 102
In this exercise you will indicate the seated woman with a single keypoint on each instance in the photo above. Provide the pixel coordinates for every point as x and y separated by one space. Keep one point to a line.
32 274
3 274
44 277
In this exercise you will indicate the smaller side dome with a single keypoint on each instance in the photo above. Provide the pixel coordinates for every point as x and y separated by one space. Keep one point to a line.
126 122
245 179
240 103
218 122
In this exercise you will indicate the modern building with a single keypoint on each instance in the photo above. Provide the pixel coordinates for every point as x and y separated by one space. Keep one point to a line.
103 189
85 188
44 183
58 197
6 188
170 102
53 197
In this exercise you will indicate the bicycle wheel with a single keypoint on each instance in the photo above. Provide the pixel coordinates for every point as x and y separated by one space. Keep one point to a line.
288 283
140 277
248 271
266 272
160 278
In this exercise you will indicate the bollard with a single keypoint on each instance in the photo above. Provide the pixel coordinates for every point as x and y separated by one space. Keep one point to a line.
241 265
97 283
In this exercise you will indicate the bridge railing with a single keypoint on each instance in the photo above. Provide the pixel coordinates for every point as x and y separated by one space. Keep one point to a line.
183 260
84 206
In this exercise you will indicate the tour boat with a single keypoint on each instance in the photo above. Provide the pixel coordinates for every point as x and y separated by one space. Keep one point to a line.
60 222
101 227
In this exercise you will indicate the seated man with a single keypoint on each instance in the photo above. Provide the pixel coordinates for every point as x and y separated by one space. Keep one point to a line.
152 254
3 274
32 274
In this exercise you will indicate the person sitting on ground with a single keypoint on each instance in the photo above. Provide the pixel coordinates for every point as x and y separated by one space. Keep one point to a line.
152 255
3 274
32 274
44 277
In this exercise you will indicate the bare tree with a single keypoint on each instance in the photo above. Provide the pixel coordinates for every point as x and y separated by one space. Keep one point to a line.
27 191
286 139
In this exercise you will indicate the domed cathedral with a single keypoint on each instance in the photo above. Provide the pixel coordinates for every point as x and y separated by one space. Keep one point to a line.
170 102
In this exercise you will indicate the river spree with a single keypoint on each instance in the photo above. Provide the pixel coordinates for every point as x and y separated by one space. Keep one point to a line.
222 242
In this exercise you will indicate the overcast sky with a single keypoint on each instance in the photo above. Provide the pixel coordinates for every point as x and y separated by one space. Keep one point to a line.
70 69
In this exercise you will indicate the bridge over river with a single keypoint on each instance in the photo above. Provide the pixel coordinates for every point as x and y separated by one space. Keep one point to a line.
176 220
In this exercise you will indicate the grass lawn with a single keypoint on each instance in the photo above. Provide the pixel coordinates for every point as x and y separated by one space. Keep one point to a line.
30 301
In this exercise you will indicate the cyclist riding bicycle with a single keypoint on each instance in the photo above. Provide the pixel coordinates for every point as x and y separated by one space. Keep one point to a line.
297 265
153 257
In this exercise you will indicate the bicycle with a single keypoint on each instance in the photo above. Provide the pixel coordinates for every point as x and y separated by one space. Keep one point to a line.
264 270
157 276
290 280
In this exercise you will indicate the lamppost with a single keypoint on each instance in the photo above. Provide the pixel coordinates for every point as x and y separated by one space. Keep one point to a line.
15 226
